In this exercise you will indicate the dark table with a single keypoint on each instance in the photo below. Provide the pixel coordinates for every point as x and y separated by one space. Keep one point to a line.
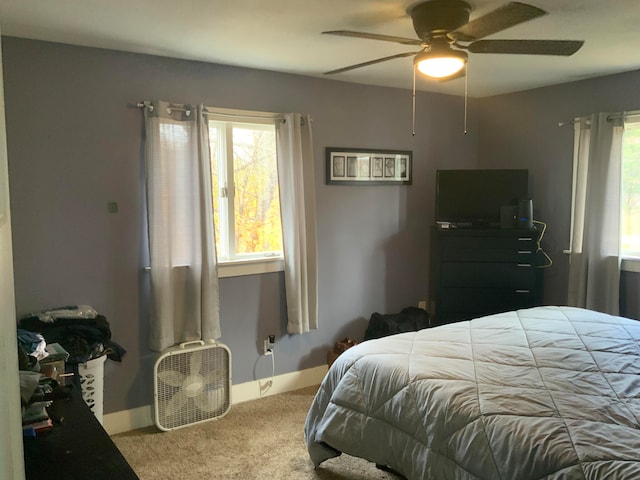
78 447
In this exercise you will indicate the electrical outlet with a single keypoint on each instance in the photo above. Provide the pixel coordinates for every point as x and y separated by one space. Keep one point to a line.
422 304
269 344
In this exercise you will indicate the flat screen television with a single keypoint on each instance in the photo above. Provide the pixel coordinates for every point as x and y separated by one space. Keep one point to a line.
472 198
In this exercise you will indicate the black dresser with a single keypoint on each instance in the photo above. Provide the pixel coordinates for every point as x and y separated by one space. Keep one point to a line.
476 272
76 448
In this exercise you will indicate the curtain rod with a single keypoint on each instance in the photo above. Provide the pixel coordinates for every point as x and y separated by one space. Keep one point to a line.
631 113
221 114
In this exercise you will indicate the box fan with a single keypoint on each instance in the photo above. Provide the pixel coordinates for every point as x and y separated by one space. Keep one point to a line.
192 384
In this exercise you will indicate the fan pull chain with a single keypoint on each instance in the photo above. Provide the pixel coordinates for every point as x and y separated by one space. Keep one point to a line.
466 80
413 106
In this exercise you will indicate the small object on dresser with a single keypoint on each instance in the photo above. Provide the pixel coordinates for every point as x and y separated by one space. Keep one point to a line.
53 365
36 412
56 352
35 418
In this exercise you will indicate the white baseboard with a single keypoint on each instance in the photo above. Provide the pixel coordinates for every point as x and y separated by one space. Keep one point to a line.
126 420
140 417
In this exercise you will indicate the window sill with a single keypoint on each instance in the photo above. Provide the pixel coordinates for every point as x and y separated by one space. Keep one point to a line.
250 267
628 264
631 264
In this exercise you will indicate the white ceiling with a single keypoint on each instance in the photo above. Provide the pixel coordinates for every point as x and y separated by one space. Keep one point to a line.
284 36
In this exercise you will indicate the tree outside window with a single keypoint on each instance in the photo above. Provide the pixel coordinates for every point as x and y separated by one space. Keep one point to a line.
245 190
630 194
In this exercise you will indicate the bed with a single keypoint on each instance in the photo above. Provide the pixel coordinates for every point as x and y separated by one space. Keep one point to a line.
541 393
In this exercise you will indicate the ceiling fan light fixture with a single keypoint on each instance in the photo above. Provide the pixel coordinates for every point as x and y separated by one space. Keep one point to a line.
440 64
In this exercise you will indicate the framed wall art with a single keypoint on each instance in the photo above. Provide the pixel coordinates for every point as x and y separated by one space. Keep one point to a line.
362 166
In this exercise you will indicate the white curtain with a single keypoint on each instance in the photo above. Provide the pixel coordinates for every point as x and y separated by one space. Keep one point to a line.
594 271
298 210
184 282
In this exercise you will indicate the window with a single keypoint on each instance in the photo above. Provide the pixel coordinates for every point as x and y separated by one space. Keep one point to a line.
630 189
245 189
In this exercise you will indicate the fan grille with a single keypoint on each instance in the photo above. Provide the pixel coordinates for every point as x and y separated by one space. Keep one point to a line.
201 391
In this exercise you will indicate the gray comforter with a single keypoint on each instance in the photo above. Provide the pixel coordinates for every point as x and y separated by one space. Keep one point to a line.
543 393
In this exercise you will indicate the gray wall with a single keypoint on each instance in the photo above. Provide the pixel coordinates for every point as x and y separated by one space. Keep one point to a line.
74 144
521 130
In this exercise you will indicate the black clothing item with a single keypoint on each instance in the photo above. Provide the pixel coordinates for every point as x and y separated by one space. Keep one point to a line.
83 338
409 319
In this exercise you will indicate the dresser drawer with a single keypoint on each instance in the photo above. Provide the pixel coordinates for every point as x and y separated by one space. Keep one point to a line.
472 302
523 254
518 242
489 275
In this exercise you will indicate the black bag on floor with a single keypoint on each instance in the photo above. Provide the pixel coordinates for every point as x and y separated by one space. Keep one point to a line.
409 319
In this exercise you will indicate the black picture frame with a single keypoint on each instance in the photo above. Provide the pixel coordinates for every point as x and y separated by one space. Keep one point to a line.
364 166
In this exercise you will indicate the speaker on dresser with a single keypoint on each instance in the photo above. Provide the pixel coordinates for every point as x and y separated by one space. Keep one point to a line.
525 214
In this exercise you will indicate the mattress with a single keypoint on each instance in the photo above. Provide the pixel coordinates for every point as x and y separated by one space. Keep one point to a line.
540 393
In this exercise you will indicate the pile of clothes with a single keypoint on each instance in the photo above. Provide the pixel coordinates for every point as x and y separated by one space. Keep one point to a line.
79 329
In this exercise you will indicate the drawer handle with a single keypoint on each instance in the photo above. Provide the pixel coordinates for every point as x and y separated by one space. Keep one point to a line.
524 264
523 291
524 251
524 239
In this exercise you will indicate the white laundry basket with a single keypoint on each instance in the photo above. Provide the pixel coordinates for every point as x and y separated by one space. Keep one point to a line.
92 384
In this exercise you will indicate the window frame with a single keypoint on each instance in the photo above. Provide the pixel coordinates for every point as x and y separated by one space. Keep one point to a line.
630 262
249 264
627 263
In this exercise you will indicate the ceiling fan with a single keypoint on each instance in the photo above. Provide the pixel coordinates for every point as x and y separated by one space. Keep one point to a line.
445 33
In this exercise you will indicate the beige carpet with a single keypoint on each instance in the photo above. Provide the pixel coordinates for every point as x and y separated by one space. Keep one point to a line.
255 440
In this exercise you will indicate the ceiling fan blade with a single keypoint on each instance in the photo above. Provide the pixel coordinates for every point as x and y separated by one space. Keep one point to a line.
378 12
510 14
375 36
370 62
527 47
